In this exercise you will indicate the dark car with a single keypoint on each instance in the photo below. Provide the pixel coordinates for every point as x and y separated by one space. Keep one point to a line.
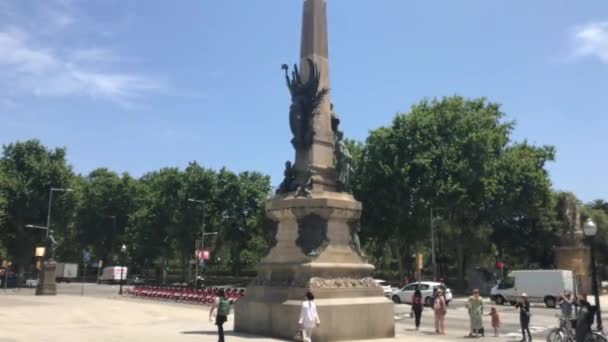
9 281
137 280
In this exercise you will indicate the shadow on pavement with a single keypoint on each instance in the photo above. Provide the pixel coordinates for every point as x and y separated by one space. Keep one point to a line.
227 333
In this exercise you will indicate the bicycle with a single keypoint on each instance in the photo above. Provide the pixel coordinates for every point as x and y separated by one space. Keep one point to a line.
566 333
563 333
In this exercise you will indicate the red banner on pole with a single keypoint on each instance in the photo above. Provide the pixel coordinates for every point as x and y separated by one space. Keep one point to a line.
206 254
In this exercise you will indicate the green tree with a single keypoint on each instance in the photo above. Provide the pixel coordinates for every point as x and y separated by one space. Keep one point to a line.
449 155
240 199
523 214
104 202
29 171
600 216
153 224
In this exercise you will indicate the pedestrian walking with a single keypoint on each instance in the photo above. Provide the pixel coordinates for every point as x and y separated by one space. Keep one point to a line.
417 306
309 318
440 309
495 321
524 316
222 305
475 307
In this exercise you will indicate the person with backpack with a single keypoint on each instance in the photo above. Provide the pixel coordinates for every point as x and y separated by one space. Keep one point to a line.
417 306
223 310
309 318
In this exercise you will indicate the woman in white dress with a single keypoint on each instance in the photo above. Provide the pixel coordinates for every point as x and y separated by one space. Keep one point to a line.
309 318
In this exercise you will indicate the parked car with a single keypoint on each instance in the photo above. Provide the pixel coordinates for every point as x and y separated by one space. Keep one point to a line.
113 274
541 286
137 279
388 290
66 272
8 281
427 288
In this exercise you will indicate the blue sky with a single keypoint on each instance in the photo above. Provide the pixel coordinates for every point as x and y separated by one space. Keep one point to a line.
135 86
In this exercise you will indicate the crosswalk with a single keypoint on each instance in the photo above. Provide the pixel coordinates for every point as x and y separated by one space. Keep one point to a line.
457 326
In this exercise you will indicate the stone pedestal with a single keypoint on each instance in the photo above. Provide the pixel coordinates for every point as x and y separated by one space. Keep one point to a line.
46 285
578 260
315 251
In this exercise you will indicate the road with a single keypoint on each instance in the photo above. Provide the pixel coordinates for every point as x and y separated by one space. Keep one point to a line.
457 322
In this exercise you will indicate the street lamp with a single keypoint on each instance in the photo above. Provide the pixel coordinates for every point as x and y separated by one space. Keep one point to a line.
203 234
433 260
123 251
590 229
48 216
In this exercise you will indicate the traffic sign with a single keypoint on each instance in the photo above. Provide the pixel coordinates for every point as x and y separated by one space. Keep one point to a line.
86 256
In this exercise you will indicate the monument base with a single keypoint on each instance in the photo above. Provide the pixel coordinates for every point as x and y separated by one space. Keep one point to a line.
345 314
47 285
317 250
576 259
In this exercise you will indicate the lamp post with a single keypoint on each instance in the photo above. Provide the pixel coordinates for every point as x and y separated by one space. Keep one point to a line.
123 252
48 215
203 234
433 260
590 229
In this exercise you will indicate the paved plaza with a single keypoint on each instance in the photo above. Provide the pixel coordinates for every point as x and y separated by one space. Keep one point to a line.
101 316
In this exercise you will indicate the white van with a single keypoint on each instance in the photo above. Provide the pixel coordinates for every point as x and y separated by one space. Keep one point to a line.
113 274
541 286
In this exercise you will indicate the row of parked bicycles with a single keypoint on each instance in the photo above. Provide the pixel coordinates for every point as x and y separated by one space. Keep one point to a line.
204 296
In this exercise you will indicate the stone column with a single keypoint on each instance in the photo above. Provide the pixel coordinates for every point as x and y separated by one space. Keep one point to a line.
320 157
47 285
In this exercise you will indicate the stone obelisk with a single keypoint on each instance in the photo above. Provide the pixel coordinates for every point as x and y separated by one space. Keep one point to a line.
317 246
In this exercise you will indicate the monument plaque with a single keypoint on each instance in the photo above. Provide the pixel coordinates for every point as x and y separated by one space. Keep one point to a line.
317 244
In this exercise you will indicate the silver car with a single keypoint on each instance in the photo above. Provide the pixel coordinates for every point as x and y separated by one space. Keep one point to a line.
427 288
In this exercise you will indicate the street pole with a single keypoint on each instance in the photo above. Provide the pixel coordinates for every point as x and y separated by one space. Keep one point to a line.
202 246
83 275
48 214
202 239
594 286
433 247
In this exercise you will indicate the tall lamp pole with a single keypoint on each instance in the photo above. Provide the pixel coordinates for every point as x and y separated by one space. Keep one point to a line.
433 260
203 234
123 252
48 215
590 229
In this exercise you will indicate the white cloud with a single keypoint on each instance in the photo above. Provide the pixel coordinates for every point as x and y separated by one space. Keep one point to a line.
591 40
31 64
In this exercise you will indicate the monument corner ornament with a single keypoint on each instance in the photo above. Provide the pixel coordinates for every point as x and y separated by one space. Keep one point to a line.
316 218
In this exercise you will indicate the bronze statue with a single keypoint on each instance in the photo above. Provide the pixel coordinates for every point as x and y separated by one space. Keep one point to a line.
305 100
343 163
356 243
304 190
287 185
335 121
52 243
569 214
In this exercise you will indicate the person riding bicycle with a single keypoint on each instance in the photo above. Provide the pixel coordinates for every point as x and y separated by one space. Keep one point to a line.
584 320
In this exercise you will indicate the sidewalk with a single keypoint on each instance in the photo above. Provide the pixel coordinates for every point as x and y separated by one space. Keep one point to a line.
67 318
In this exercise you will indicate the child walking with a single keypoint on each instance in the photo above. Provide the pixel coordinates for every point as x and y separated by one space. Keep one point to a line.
495 321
